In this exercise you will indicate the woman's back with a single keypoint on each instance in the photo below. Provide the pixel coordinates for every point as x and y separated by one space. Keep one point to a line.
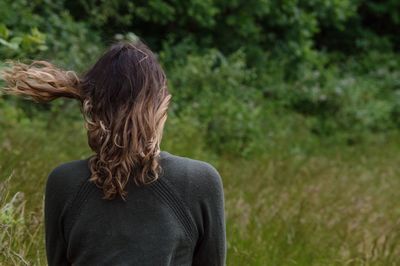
128 203
176 220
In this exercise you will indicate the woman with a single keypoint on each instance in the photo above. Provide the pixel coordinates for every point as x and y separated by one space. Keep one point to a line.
129 203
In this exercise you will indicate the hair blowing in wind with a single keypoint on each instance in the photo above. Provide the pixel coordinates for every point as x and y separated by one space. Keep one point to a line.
124 100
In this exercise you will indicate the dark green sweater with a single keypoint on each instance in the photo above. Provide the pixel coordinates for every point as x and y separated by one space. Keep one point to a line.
177 220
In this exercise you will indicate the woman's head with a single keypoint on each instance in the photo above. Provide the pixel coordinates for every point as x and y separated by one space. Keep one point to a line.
124 100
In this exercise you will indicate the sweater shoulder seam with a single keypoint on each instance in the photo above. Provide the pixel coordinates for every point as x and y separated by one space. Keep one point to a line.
77 199
165 192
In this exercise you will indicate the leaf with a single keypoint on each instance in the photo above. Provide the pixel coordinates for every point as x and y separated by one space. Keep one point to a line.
4 32
10 45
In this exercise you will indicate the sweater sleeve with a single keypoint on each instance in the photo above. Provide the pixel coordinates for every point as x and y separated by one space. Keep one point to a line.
211 246
55 201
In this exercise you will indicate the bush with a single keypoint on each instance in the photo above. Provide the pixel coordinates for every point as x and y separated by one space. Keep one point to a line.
216 93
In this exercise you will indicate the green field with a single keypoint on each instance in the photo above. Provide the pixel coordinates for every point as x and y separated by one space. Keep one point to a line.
304 204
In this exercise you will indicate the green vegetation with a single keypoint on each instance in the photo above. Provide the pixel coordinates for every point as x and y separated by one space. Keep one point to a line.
296 103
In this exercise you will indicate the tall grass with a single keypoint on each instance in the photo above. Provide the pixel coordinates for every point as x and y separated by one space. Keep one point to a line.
21 232
315 209
299 203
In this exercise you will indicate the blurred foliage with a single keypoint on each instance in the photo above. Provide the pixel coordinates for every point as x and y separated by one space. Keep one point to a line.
279 27
43 29
241 72
206 87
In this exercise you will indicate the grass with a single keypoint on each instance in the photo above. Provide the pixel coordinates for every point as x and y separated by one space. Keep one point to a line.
337 209
304 204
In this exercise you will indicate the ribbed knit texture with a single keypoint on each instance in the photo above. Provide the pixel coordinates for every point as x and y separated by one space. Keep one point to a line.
176 220
179 208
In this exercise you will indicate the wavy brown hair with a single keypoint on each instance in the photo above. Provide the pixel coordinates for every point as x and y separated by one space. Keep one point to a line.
124 100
